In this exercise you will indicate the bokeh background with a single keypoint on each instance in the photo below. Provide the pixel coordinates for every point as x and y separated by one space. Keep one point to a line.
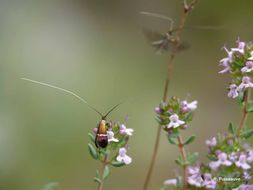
97 48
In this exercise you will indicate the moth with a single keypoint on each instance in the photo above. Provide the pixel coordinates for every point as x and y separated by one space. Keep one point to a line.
167 42
101 140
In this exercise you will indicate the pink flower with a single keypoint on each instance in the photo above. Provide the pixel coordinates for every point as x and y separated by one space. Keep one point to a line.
250 155
111 138
222 160
233 157
246 83
175 121
240 48
248 67
209 183
225 63
242 162
185 106
251 56
122 157
158 110
233 91
170 182
194 178
212 142
124 130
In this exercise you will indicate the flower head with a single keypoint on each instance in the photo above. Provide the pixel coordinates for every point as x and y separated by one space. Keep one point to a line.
208 182
170 182
111 138
225 63
246 83
233 91
242 162
251 56
212 142
124 130
122 157
185 106
240 47
175 121
222 160
248 67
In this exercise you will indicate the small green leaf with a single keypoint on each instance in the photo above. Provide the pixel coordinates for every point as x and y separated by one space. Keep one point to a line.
211 157
231 129
97 180
241 97
174 134
93 151
171 140
188 116
97 174
50 186
250 107
246 134
106 172
117 164
97 177
192 158
180 162
92 137
189 140
179 182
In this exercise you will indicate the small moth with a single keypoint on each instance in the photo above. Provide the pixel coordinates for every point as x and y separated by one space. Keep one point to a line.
101 139
168 42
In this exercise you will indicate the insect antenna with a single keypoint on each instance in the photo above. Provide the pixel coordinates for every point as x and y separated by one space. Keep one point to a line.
160 16
66 91
114 107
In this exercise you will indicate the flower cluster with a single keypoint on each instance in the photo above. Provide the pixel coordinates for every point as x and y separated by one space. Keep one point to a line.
175 114
118 136
230 159
115 153
239 63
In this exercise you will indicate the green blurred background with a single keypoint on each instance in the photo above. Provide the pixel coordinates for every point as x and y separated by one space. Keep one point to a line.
97 48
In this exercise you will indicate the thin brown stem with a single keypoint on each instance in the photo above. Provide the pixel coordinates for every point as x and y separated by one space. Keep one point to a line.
245 113
186 10
104 164
183 154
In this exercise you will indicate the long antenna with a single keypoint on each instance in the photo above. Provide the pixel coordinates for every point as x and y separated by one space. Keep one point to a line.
64 90
103 117
160 16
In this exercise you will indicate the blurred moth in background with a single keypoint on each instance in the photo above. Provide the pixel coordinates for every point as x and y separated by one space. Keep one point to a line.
101 140
168 41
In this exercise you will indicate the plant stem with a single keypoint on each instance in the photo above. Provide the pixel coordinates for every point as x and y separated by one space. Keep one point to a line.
186 10
183 154
104 164
245 113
